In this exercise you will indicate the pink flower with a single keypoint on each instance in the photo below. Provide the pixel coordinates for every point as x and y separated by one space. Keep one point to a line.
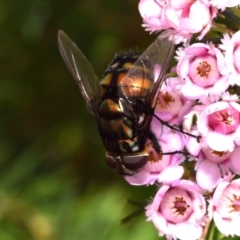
202 68
225 207
153 16
184 17
172 106
219 123
168 105
177 210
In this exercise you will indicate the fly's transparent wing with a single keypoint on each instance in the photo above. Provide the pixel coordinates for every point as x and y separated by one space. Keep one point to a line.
148 72
81 70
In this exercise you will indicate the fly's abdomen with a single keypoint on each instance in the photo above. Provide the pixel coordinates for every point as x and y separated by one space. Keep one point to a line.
116 130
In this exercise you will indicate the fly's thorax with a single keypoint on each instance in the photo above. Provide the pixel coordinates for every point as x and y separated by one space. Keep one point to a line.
137 86
126 78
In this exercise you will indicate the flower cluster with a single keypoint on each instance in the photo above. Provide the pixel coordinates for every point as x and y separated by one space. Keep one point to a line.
202 98
183 17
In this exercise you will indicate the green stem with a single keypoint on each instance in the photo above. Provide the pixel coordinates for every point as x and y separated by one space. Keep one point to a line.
209 231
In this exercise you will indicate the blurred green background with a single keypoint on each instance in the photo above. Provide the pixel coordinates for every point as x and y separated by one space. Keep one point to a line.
54 183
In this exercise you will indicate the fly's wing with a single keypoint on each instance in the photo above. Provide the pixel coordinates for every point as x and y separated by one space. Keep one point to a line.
81 70
148 72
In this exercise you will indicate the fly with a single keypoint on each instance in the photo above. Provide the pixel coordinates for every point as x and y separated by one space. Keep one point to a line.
123 101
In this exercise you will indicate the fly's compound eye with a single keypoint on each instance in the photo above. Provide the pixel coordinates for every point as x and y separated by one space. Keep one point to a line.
135 162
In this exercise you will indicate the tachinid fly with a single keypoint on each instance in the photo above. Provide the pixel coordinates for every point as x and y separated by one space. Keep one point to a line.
123 101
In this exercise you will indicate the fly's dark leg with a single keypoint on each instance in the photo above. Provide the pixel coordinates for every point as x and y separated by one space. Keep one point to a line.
176 152
176 129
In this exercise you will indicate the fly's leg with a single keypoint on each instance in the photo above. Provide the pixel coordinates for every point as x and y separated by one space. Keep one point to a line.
177 129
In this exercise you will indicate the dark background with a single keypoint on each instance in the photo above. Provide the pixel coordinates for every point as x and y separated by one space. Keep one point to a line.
54 183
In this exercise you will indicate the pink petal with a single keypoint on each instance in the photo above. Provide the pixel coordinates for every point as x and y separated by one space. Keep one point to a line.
183 67
200 12
216 107
235 105
170 174
140 178
220 61
197 49
220 142
221 85
193 91
178 4
235 160
156 127
218 192
172 17
149 9
188 231
193 146
236 56
160 223
186 185
229 58
199 205
190 25
208 175
202 123
223 226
